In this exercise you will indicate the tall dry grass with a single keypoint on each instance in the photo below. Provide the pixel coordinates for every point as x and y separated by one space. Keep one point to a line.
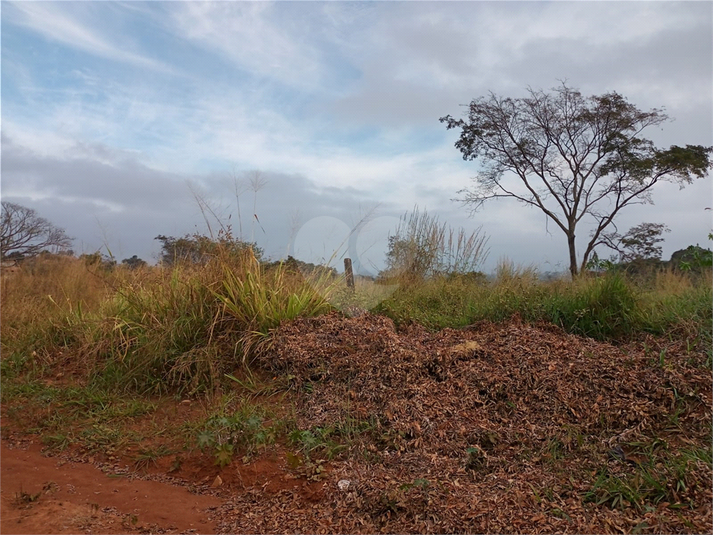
423 247
44 295
156 328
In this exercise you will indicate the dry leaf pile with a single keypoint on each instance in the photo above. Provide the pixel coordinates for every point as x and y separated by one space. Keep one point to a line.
492 428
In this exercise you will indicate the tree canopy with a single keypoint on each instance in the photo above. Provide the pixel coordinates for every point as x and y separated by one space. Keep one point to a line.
134 262
199 249
23 233
570 156
639 243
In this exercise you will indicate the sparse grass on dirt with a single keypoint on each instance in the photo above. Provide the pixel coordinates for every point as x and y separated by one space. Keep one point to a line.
464 405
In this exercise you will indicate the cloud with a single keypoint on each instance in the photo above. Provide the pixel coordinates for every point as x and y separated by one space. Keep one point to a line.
422 63
96 175
258 37
65 26
94 192
337 103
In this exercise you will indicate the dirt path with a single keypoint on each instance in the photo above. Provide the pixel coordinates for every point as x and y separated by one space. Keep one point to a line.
47 495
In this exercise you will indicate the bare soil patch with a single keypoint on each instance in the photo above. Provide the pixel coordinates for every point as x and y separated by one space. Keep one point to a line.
52 495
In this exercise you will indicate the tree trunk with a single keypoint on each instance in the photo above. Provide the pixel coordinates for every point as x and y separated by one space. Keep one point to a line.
572 254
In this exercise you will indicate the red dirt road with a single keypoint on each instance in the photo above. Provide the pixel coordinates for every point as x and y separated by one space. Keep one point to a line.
47 495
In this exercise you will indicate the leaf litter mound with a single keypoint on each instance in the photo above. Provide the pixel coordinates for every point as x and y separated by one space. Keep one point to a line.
493 428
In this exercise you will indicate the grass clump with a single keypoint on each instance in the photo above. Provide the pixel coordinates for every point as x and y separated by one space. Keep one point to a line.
671 478
189 326
422 247
257 300
157 333
600 308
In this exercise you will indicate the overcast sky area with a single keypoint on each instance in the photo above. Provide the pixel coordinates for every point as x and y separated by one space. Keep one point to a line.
116 115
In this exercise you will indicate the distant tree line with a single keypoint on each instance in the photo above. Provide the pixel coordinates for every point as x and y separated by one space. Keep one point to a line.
639 252
421 247
199 249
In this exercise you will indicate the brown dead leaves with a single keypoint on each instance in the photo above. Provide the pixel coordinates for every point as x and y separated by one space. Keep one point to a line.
492 428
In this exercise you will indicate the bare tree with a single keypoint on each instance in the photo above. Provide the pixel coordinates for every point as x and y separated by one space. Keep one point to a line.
570 156
23 233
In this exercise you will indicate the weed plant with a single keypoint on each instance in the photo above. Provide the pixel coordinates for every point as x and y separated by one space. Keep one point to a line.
245 429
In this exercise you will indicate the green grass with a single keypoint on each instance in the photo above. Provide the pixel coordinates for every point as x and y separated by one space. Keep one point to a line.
646 487
611 307
328 441
72 415
149 456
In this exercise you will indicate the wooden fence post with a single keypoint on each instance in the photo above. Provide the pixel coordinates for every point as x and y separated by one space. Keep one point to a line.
349 273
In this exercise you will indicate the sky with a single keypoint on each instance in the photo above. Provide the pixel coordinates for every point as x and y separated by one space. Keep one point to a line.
122 121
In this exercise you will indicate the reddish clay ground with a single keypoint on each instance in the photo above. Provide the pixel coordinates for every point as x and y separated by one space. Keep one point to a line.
69 497
41 494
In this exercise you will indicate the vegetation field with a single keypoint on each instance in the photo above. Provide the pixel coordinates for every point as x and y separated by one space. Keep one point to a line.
288 403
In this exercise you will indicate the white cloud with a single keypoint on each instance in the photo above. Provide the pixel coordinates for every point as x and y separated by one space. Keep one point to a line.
330 95
248 34
59 24
41 141
420 62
